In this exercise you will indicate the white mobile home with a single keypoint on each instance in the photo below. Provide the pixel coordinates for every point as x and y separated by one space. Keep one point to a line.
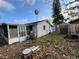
11 33
39 28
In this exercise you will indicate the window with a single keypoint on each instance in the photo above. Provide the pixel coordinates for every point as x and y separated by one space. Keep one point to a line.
22 31
44 27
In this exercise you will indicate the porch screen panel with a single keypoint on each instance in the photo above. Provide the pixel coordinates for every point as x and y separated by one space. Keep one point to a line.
13 32
22 31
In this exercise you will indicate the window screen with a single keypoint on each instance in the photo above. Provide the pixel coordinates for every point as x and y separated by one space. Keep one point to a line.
22 31
13 31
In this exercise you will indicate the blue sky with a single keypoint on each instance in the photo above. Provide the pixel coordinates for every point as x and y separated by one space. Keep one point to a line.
22 11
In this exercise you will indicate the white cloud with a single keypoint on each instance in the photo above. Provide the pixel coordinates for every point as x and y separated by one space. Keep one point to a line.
71 0
22 21
29 2
44 17
5 5
26 20
47 1
67 1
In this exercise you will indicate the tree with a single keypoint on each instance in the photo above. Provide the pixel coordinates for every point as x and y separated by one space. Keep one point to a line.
58 17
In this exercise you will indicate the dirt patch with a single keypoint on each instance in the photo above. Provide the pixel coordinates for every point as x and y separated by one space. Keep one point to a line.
53 46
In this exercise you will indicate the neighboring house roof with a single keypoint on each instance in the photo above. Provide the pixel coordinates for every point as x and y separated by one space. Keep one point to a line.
74 21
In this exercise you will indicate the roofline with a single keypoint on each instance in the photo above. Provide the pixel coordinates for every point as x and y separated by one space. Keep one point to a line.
11 24
23 24
32 23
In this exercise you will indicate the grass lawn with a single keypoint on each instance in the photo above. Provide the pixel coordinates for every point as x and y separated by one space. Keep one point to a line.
55 46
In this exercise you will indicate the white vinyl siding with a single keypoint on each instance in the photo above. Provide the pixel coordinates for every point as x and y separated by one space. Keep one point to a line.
43 28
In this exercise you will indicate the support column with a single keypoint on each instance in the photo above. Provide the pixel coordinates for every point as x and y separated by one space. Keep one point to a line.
18 33
8 33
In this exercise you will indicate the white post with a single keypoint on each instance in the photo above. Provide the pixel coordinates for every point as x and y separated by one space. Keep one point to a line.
8 33
25 30
18 32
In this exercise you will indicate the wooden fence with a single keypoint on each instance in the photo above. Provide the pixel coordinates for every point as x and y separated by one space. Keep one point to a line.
70 29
